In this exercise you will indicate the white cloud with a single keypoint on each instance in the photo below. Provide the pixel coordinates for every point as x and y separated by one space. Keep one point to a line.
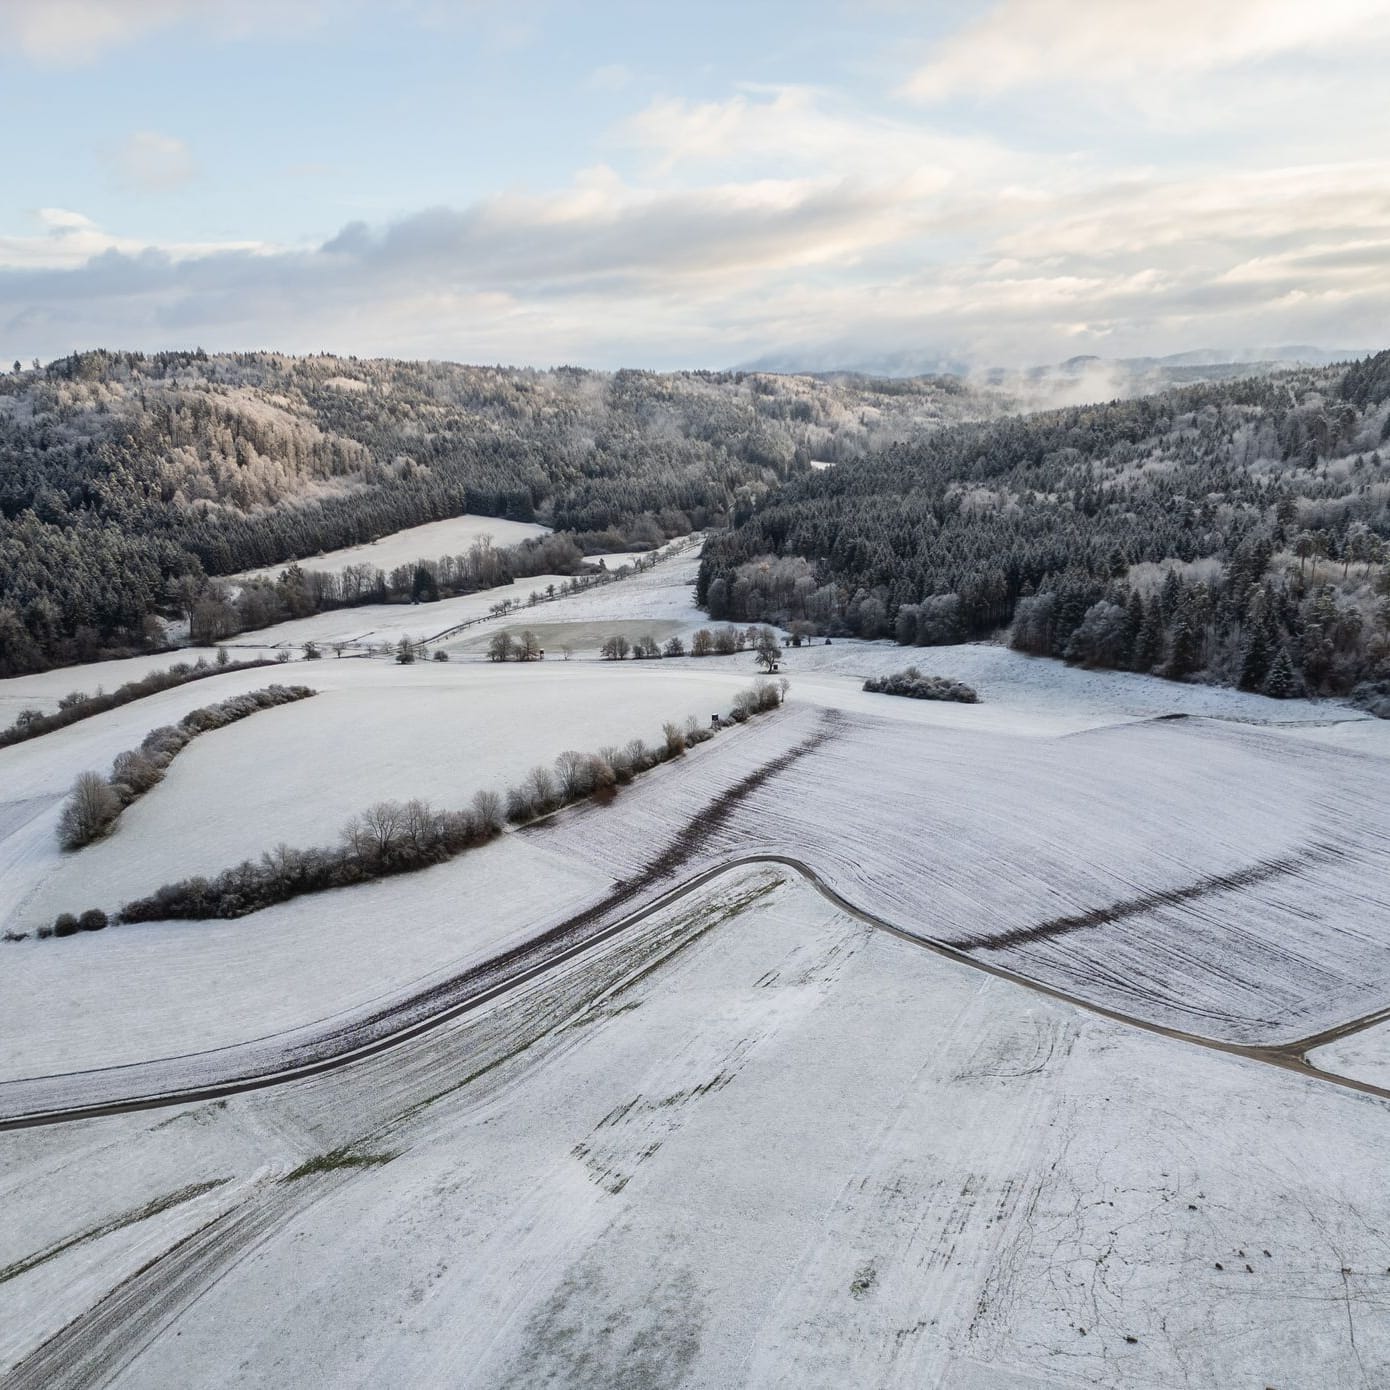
717 229
69 241
71 33
804 129
61 32
1022 43
153 163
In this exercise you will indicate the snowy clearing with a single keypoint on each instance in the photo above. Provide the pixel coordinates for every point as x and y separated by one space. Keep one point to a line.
441 733
43 690
428 542
756 1144
1364 1055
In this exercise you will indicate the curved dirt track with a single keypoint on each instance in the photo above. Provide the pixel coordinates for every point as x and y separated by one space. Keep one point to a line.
415 1014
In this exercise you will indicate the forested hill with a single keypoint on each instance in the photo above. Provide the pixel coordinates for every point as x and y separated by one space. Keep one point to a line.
121 473
1233 530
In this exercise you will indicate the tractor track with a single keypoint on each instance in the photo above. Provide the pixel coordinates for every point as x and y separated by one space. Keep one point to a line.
421 1012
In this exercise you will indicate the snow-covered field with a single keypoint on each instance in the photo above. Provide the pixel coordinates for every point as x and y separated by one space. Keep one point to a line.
1364 1055
750 1140
43 690
756 1144
376 624
428 542
378 731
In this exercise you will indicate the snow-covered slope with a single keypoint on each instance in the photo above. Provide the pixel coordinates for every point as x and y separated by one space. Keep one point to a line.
757 1144
427 542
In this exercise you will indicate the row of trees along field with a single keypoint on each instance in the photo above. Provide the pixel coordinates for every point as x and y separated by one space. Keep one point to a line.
127 481
1234 532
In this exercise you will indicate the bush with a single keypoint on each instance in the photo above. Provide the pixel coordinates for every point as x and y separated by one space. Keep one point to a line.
96 802
441 656
396 837
94 919
487 807
915 686
75 706
521 804
91 811
65 924
1373 697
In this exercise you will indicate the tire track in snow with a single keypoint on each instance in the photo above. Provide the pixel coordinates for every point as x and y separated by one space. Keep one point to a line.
93 1348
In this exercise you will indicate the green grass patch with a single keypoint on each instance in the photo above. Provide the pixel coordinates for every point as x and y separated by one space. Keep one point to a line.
339 1158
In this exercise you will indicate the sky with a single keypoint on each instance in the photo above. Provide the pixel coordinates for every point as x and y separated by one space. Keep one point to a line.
605 184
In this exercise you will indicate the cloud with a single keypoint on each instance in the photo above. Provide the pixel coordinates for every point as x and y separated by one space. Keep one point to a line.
69 241
775 216
149 162
73 33
607 271
1023 43
64 32
804 129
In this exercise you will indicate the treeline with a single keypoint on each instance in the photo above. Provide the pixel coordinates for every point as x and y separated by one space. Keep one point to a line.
399 837
97 802
1282 634
74 706
122 474
1268 499
216 611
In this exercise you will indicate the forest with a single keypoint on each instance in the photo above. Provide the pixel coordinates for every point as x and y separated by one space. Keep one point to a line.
129 482
1233 531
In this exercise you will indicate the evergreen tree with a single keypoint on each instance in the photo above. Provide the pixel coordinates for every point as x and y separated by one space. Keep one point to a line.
1281 683
1148 642
1255 658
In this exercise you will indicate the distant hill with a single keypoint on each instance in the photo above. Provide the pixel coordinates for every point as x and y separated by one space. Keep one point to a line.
127 480
1108 377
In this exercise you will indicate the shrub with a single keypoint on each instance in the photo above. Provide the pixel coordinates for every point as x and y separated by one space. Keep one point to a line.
396 837
441 656
674 647
1373 697
545 793
727 641
520 804
96 803
91 810
65 924
75 706
618 760
915 686
487 806
702 644
94 919
639 757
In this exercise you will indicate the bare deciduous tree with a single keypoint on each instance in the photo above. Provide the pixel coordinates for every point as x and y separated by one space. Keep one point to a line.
90 811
